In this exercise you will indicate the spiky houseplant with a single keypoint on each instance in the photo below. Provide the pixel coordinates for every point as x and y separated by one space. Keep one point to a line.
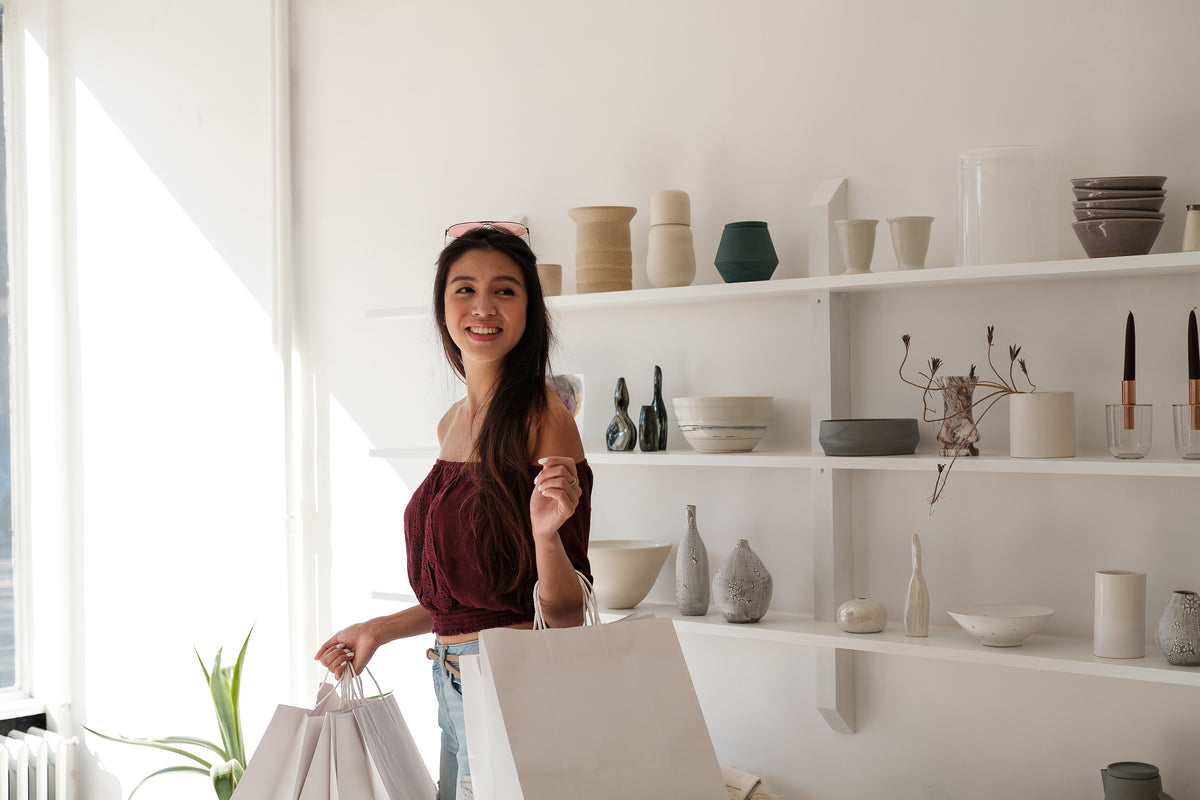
227 761
995 389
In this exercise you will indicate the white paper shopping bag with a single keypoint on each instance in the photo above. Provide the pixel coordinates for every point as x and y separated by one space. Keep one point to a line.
593 713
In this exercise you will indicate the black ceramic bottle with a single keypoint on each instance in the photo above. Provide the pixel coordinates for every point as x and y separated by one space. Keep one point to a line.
648 430
621 435
660 409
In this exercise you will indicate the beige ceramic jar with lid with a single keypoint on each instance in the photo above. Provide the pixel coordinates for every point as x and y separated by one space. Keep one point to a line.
670 253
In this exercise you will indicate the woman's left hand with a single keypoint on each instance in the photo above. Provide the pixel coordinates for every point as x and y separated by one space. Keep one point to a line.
556 494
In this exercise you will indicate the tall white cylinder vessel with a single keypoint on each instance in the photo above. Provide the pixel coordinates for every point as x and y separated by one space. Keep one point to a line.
1041 424
1120 617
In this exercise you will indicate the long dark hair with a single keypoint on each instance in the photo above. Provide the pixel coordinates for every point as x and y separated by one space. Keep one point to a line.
502 450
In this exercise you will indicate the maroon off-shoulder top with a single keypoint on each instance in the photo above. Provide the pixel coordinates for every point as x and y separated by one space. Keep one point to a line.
442 568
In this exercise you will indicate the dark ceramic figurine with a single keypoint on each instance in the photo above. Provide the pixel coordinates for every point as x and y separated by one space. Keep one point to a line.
621 434
648 430
660 409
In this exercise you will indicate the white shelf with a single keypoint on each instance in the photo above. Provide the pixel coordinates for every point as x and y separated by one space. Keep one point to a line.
1093 464
1047 653
1070 269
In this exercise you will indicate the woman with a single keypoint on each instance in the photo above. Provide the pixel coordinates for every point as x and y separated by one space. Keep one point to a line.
507 502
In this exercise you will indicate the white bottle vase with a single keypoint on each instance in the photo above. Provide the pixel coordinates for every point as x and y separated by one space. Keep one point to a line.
916 606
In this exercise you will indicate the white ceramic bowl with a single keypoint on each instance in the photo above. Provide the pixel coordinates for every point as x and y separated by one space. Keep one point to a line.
722 424
623 570
1001 624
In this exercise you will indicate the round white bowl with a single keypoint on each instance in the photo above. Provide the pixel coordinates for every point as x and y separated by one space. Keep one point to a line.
1001 624
722 424
623 570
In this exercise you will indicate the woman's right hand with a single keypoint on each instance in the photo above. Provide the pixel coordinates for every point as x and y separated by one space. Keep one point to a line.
353 645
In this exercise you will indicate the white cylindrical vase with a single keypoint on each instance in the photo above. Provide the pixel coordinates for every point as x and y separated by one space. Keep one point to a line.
1041 424
1120 616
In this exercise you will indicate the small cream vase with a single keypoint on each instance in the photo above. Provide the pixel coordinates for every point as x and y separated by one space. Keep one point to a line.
1041 424
1120 621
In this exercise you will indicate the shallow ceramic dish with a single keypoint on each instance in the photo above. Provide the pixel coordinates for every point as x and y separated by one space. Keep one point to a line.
1131 203
1116 213
722 424
1116 194
869 437
1102 238
1121 182
624 570
1001 624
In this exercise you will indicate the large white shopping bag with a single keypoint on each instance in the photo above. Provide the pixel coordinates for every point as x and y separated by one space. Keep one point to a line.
280 761
589 713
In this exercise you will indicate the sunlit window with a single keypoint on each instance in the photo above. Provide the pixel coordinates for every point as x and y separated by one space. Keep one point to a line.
7 611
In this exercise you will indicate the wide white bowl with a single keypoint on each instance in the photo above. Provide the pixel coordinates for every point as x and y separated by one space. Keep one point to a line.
1001 624
722 424
623 570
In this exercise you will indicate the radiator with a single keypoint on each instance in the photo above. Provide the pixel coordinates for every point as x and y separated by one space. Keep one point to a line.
35 765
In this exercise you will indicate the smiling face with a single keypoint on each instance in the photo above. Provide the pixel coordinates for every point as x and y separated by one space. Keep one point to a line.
485 303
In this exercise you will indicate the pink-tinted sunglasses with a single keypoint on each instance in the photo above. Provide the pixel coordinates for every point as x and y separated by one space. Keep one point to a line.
463 228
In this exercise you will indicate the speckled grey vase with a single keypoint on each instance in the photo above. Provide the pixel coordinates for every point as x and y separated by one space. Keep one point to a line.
1178 633
691 571
742 586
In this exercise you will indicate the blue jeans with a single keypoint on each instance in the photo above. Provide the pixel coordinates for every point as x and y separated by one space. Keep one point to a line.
454 774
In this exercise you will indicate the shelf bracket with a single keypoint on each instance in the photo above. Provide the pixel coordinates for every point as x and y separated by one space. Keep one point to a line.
834 670
827 206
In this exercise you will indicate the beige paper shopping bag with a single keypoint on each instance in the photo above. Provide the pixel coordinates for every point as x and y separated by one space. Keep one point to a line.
592 713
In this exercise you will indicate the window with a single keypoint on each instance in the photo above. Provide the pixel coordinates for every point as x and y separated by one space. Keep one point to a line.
7 607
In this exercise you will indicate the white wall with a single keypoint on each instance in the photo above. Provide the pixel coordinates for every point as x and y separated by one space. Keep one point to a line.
145 161
409 117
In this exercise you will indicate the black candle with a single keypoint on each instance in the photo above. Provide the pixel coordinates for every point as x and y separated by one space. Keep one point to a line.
1193 349
1129 350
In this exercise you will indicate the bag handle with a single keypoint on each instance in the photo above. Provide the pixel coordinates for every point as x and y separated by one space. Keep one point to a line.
591 609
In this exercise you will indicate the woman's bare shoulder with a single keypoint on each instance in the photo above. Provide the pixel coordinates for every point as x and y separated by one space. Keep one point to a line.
556 433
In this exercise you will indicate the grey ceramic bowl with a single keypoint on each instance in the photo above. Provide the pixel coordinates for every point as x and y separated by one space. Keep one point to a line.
869 437
1116 194
1116 213
1102 238
1130 203
1121 182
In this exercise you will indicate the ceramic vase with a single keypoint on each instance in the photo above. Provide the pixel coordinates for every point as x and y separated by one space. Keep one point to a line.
670 253
603 252
1041 425
692 589
916 605
746 253
957 432
550 277
742 586
648 430
910 240
1119 621
1178 633
660 408
856 239
622 434
862 615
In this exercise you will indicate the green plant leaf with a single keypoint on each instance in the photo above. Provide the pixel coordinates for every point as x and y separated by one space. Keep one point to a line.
235 691
167 771
225 778
169 744
223 705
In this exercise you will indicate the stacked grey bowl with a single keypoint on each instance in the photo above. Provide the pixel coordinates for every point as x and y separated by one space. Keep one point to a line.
1119 215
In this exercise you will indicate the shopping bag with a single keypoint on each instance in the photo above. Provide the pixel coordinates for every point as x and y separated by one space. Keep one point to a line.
286 749
346 747
589 713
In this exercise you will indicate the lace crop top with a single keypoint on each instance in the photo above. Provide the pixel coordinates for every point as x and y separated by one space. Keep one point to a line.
442 568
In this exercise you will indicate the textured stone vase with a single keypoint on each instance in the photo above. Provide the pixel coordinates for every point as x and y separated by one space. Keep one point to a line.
1178 633
957 432
916 605
742 586
622 434
603 251
692 588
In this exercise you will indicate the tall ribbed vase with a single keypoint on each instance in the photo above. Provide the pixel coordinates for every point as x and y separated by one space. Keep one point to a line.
916 606
603 250
691 571
742 586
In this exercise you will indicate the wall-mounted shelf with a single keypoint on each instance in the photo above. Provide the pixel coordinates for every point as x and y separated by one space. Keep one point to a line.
1070 269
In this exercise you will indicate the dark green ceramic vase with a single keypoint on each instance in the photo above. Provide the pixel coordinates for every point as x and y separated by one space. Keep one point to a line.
746 253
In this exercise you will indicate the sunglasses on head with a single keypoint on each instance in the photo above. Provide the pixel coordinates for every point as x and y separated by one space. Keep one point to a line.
463 228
